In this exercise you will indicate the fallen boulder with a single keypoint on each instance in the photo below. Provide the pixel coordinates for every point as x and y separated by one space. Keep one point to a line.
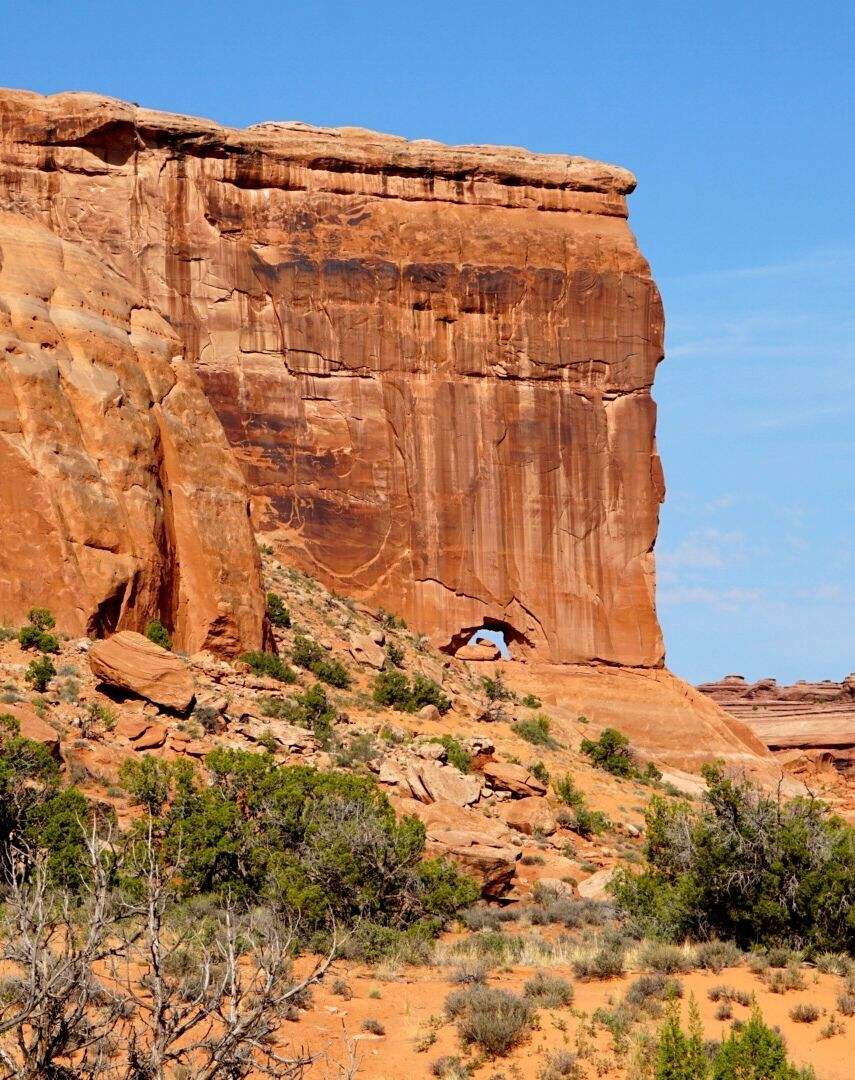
130 662
365 650
516 779
530 815
31 726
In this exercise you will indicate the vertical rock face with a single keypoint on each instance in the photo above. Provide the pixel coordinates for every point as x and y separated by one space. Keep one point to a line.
433 363
119 498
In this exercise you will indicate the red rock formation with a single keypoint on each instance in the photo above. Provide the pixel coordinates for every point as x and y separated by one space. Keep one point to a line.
434 364
119 498
802 716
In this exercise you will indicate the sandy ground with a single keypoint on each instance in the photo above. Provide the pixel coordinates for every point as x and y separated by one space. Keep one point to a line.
410 1004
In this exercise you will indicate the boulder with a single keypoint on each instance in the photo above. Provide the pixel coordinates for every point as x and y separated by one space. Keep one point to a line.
130 662
32 726
431 781
531 815
481 846
481 650
594 887
505 776
152 738
366 651
429 712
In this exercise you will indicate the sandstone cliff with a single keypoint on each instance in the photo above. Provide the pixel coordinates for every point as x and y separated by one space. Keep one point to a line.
120 500
434 365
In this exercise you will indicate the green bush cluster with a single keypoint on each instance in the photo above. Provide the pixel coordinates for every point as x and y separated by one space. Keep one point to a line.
752 1051
584 821
36 812
277 612
493 1020
495 688
454 752
744 867
312 657
536 731
311 710
269 666
157 633
36 633
394 689
613 753
310 842
39 673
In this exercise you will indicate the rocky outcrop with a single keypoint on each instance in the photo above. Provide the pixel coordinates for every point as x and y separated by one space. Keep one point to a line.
803 716
131 663
433 363
120 500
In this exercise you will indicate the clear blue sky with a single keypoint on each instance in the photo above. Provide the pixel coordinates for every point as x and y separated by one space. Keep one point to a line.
737 119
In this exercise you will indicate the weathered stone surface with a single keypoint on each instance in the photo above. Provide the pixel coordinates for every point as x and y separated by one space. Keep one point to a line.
153 737
130 662
530 815
431 781
479 845
434 364
505 776
595 886
32 726
120 500
365 650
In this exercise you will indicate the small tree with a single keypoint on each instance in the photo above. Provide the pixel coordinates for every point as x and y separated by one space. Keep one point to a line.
39 673
277 612
611 752
157 633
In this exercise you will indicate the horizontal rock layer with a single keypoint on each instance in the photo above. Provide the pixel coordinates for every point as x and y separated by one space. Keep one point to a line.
802 716
434 363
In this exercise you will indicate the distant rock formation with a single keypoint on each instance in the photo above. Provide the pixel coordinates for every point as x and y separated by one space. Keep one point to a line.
798 717
434 365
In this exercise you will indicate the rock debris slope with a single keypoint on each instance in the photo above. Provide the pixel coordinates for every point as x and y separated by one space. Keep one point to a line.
434 365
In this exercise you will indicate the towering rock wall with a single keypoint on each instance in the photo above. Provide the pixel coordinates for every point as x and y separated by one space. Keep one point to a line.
433 364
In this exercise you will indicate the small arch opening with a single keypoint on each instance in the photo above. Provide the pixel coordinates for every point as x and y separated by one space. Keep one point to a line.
510 642
494 637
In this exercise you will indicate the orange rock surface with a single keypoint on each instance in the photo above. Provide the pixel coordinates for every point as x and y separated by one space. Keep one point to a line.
434 364
120 500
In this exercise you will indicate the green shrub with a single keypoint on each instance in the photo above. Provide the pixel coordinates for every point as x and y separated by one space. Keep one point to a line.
395 654
548 990
313 657
606 962
493 1020
35 634
495 689
277 612
582 820
846 1003
611 752
682 1056
39 673
745 868
531 702
753 1052
664 958
715 956
539 771
394 690
313 843
390 621
157 632
536 731
372 1026
311 710
648 992
36 814
268 666
454 752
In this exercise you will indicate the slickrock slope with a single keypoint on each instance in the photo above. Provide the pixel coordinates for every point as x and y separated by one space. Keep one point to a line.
803 716
120 500
434 362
